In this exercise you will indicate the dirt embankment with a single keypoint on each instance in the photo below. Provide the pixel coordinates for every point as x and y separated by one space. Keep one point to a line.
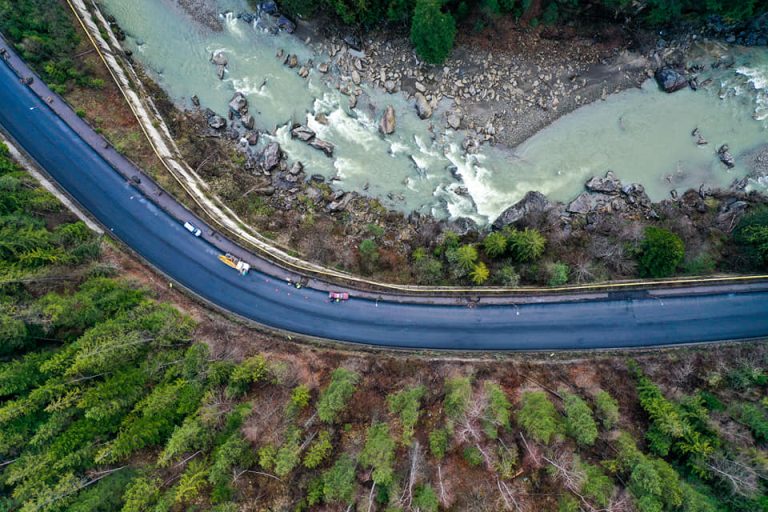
462 486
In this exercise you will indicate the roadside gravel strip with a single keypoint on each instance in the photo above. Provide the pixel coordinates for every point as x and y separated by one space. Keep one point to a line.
142 216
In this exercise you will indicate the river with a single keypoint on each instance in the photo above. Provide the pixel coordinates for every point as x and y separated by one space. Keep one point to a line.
643 135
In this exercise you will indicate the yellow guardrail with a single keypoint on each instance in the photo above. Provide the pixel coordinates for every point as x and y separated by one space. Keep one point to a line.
279 257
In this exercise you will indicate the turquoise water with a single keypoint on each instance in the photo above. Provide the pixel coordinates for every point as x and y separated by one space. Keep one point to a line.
643 135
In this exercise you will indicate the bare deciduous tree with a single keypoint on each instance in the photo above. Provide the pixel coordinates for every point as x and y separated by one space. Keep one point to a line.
742 478
511 502
569 473
533 451
415 456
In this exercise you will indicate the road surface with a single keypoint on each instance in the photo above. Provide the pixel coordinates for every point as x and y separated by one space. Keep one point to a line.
158 236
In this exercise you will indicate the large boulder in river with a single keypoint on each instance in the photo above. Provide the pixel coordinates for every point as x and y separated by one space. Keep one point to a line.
217 122
532 202
388 121
286 25
248 121
671 80
270 157
608 185
303 133
636 196
422 106
239 104
583 204
454 120
324 146
219 59
462 226
594 201
724 152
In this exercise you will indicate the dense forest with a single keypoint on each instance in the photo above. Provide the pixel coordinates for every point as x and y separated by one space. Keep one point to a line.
111 400
433 23
44 36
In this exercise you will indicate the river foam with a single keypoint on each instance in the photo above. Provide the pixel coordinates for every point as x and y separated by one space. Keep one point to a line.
643 135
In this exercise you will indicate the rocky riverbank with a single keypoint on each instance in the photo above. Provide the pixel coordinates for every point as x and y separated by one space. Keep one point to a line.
501 85
497 98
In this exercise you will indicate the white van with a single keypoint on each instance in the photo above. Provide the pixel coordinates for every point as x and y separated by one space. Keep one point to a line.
192 229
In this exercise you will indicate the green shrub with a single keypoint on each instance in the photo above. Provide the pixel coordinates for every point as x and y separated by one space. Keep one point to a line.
450 240
428 270
369 254
752 235
597 486
538 417
645 484
438 443
400 11
106 494
495 244
496 415
375 230
46 38
466 257
379 453
318 451
607 409
266 455
507 276
335 397
432 31
141 493
660 253
550 15
288 455
300 396
339 481
701 265
251 371
479 273
192 482
506 460
558 274
754 417
746 377
473 456
527 245
458 392
568 503
407 404
579 423
673 427
425 499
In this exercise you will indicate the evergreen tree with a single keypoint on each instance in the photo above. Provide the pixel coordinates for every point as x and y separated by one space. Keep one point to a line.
432 31
579 423
538 416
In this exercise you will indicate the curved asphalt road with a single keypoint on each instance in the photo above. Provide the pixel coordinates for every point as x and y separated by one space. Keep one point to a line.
194 263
